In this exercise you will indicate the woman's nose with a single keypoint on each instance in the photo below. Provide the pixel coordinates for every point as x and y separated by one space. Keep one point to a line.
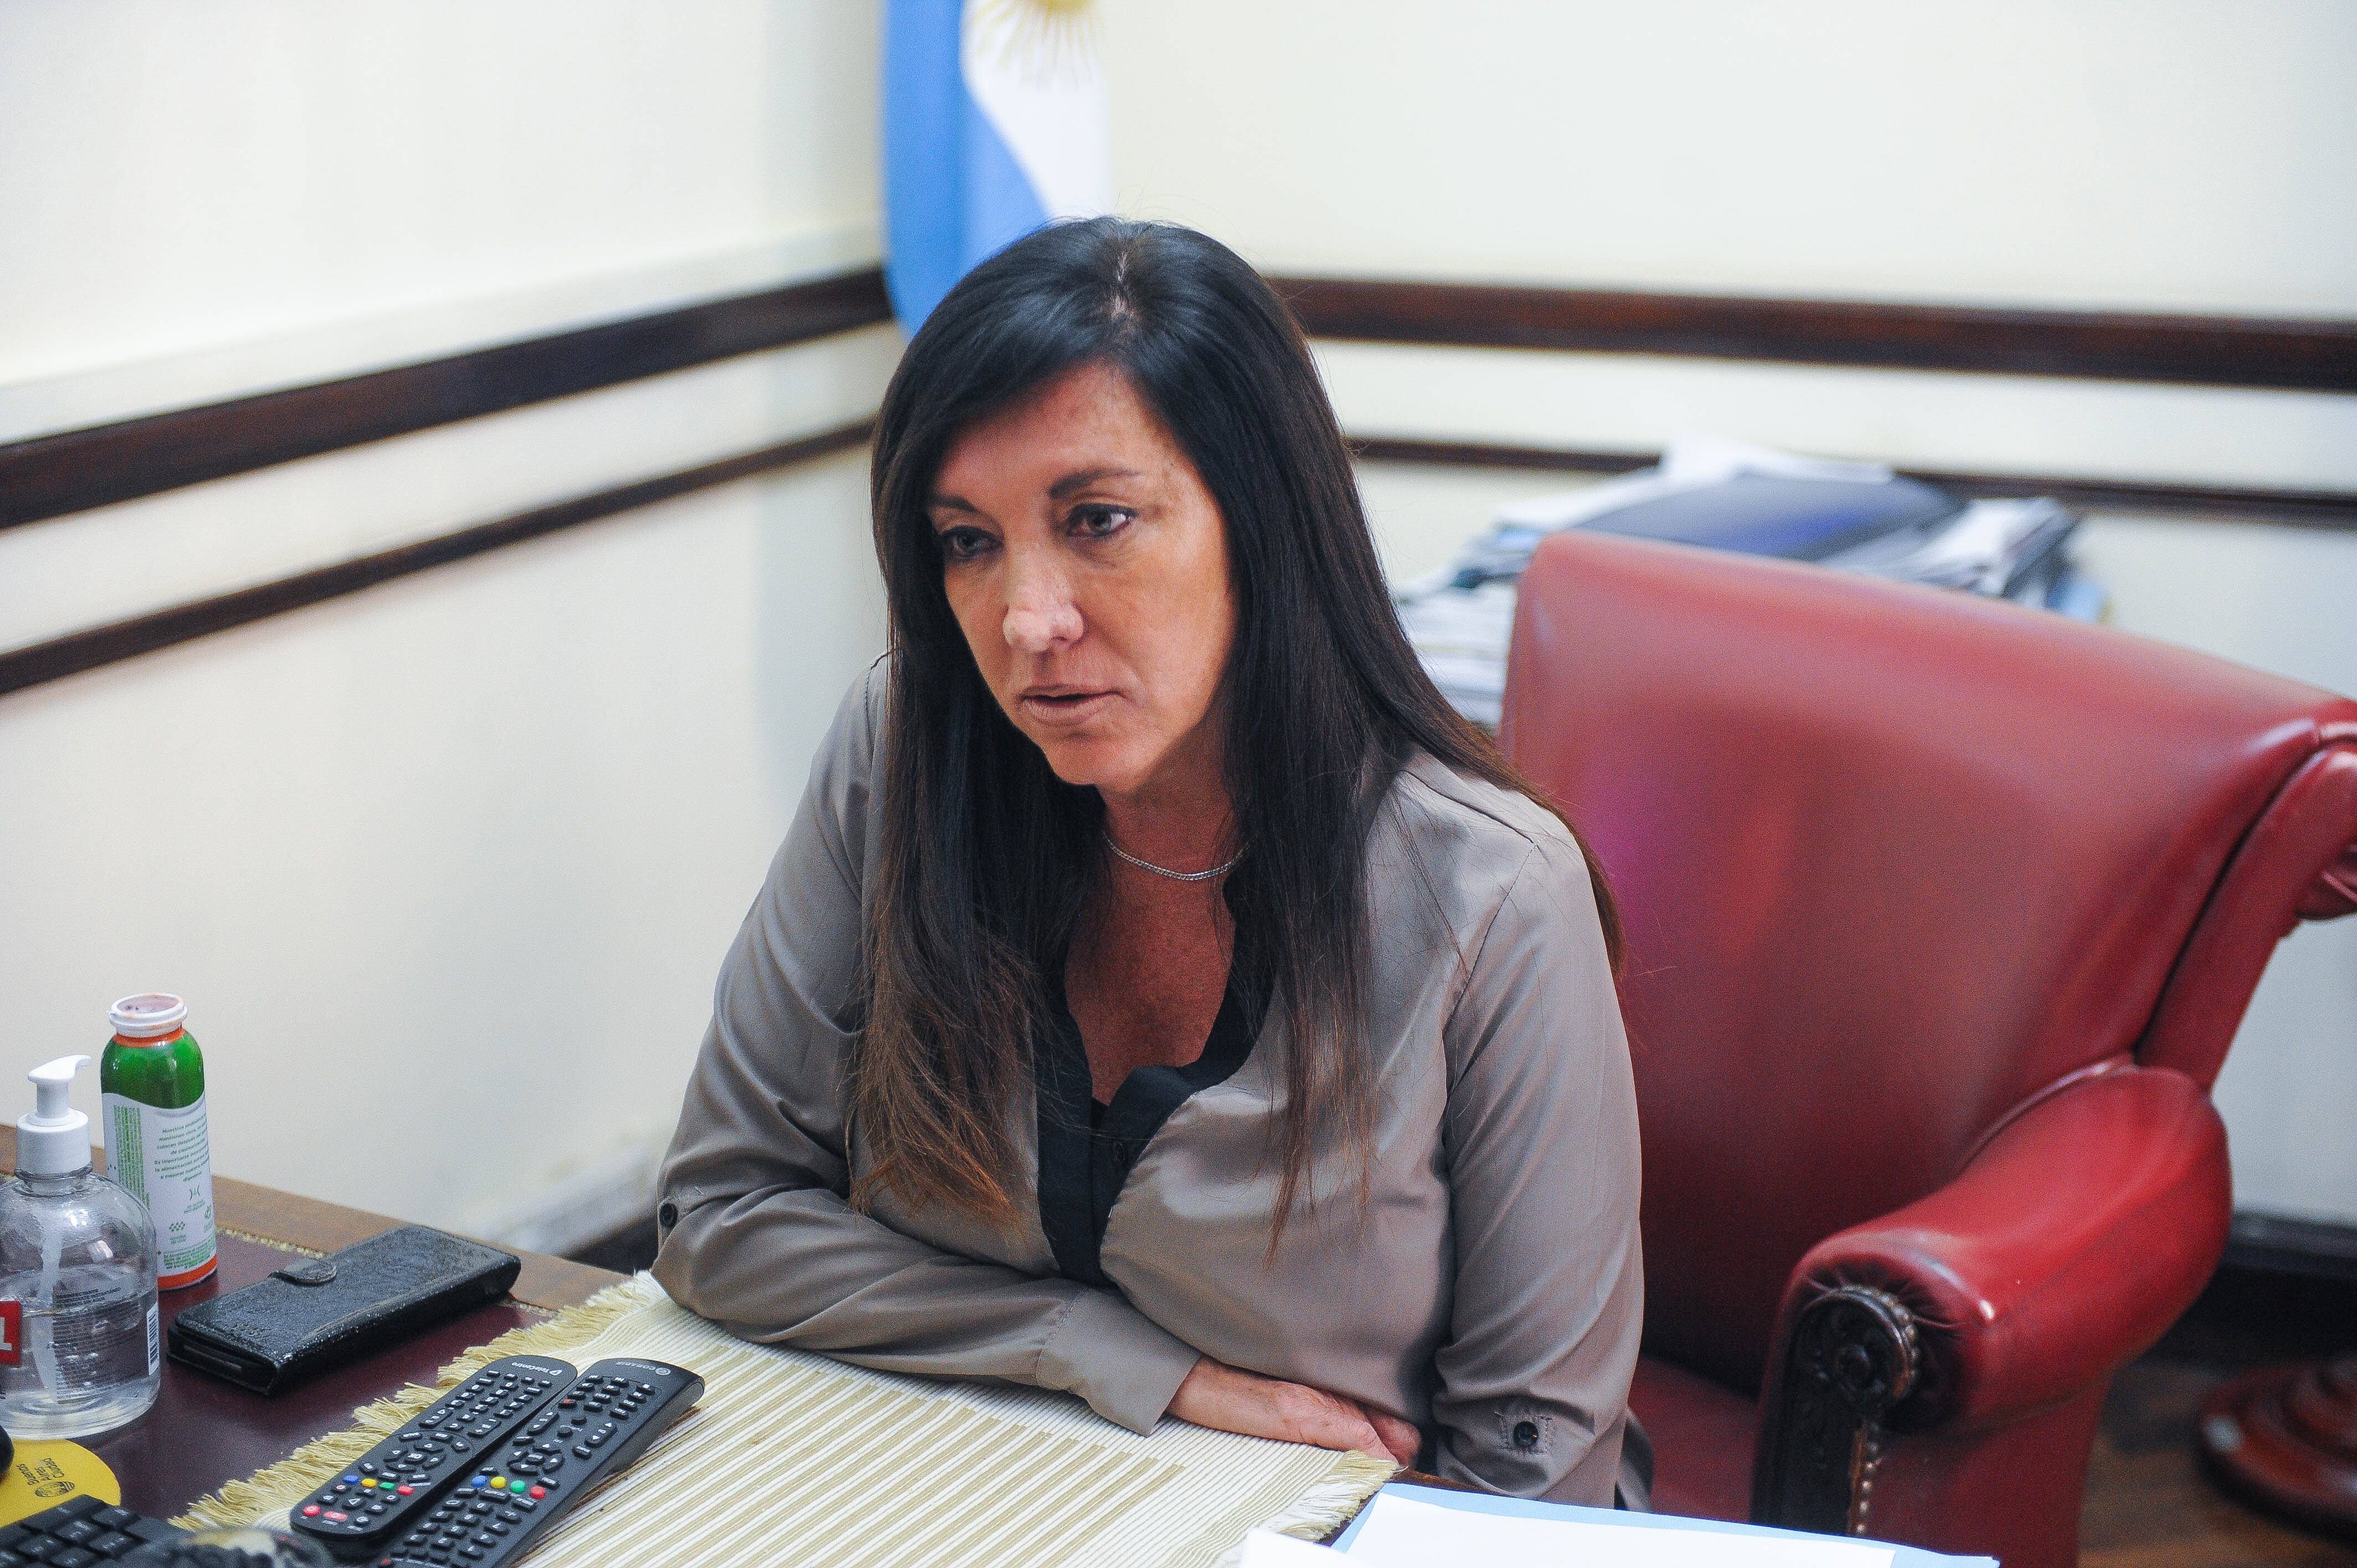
1041 614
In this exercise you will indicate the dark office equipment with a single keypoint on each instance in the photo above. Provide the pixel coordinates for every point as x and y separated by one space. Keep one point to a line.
81 1533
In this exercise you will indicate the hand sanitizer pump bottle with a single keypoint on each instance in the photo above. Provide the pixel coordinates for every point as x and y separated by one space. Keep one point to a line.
77 1280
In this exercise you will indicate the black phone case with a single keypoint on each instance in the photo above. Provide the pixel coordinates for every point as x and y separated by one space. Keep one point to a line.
318 1313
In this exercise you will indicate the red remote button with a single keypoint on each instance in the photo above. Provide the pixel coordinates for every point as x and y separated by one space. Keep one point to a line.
335 1517
405 1491
310 1511
539 1492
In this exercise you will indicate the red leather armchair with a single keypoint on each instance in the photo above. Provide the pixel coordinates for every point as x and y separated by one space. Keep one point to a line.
1941 914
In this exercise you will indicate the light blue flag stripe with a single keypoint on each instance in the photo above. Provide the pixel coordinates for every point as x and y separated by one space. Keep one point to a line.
952 192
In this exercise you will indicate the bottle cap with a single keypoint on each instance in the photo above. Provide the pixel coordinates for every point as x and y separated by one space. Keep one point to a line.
55 1139
148 1016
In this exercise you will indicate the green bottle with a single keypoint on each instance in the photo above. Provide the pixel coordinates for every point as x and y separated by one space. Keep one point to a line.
151 1085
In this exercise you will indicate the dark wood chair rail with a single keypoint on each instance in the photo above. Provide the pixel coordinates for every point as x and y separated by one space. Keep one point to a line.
94 648
55 475
2285 353
2328 509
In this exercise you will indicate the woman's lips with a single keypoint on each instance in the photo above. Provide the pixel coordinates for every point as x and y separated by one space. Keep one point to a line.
1063 709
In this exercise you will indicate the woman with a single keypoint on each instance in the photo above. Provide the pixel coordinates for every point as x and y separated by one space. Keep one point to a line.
1161 995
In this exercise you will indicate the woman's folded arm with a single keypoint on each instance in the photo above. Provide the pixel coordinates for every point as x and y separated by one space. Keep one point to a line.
757 1230
797 1266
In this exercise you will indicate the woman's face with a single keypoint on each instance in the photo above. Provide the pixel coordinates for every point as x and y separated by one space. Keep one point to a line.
1088 567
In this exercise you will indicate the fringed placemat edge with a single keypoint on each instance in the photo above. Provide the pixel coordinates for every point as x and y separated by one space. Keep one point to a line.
1335 1500
1330 1503
289 1479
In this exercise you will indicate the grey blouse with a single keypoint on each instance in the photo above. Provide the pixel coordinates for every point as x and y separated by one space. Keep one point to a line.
1489 1288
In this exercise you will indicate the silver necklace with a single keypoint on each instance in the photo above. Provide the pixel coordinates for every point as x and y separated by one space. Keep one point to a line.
1175 875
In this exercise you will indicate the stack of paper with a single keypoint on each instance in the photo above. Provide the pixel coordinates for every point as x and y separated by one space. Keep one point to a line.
1460 619
1423 1527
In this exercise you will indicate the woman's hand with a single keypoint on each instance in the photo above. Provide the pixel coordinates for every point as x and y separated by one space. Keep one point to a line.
1226 1399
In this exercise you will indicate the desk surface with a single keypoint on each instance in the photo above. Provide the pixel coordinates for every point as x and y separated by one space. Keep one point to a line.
202 1432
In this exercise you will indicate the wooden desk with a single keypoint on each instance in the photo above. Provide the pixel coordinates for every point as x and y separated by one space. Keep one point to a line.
202 1432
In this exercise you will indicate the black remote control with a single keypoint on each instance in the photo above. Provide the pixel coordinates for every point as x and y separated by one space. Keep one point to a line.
567 1451
372 1500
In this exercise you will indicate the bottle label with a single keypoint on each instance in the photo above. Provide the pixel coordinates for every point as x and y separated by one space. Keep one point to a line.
154 1342
164 1159
11 1333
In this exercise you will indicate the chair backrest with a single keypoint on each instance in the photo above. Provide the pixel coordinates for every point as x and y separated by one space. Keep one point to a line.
1893 861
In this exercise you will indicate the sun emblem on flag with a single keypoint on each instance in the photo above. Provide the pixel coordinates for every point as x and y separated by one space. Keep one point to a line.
1042 39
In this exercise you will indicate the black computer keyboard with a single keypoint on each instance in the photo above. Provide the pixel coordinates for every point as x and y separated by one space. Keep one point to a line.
80 1533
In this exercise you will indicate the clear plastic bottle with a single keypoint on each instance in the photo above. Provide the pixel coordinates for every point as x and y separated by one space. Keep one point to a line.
77 1280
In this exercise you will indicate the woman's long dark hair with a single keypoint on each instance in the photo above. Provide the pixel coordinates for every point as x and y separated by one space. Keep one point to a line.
987 857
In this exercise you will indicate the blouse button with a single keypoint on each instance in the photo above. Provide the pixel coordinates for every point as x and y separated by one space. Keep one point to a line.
1526 1434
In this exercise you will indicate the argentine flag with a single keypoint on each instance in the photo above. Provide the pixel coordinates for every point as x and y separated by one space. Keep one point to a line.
995 121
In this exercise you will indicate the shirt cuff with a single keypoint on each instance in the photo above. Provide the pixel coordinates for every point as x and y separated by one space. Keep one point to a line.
1112 1355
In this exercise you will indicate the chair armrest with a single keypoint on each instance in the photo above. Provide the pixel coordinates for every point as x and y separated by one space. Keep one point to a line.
2073 1236
2072 1239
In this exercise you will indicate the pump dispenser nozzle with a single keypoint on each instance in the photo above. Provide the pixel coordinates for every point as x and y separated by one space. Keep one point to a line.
55 1139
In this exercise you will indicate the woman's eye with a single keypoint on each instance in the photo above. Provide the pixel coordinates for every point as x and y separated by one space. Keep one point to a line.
962 544
1099 521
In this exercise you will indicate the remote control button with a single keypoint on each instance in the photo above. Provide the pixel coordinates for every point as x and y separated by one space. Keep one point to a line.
332 1517
310 1511
581 1451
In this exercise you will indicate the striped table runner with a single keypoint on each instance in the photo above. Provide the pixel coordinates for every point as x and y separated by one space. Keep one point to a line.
794 1459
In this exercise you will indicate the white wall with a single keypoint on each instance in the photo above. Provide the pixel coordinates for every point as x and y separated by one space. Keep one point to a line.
445 868
2093 154
2079 151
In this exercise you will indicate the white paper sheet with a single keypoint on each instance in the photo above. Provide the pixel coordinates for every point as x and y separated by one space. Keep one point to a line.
1403 1533
1267 1549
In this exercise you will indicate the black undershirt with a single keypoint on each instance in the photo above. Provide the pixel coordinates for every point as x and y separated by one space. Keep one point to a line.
1087 1149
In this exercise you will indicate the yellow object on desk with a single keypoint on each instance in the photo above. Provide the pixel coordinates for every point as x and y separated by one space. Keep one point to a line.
44 1475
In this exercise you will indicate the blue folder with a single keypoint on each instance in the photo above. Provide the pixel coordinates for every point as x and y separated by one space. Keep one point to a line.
1771 514
1482 1502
